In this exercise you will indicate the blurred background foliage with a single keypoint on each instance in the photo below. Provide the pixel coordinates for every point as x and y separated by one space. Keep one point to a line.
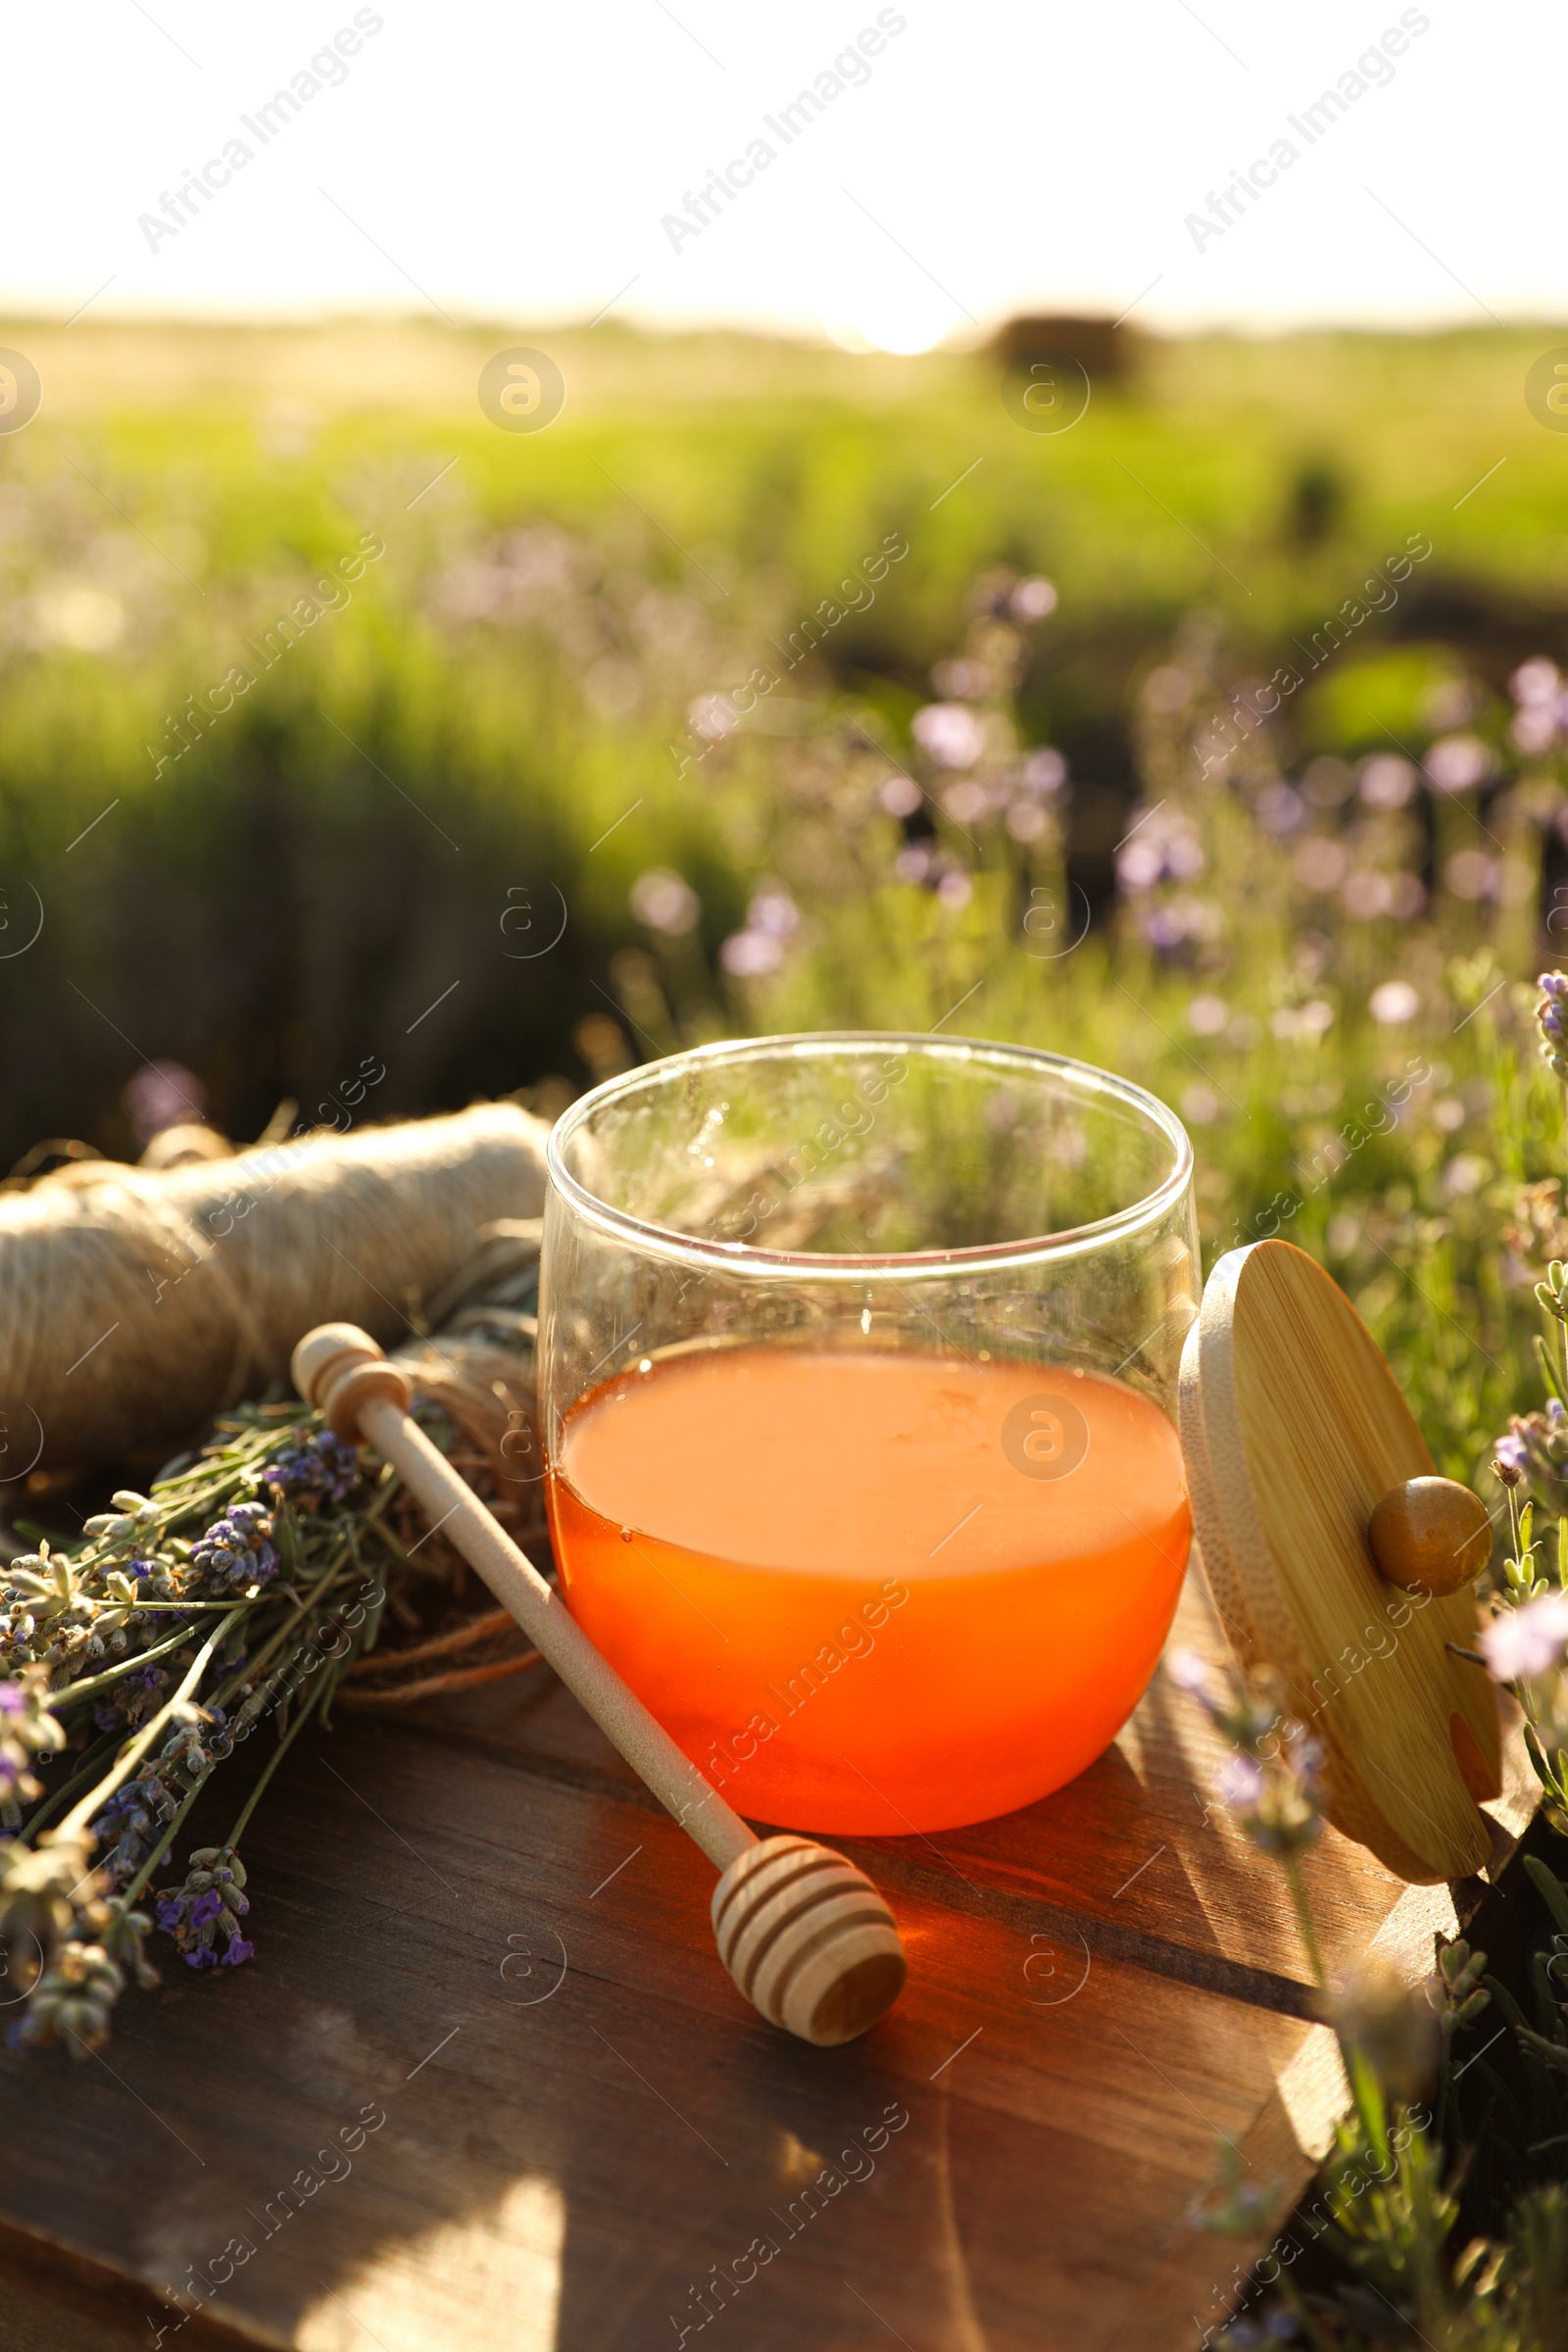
563 778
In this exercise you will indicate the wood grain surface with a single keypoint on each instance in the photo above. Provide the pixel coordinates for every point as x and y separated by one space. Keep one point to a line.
478 1925
1295 1429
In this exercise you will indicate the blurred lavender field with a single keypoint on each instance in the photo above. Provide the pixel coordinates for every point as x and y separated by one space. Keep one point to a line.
774 687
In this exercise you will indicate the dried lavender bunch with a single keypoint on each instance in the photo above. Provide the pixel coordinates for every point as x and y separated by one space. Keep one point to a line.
130 1667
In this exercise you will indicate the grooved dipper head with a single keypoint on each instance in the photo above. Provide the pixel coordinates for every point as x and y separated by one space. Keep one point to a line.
807 1939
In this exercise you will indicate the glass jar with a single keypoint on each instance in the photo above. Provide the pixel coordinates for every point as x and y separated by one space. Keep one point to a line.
858 1360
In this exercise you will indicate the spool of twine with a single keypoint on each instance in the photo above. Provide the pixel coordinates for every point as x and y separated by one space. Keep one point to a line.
139 1301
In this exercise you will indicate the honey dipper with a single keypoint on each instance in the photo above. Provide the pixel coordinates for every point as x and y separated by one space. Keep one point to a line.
804 1934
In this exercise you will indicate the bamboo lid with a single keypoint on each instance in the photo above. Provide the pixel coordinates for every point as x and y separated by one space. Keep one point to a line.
1293 1430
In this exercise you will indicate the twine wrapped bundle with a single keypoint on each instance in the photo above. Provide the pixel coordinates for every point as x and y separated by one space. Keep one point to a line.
139 1301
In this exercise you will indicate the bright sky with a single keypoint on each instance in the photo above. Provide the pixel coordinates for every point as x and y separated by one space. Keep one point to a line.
518 161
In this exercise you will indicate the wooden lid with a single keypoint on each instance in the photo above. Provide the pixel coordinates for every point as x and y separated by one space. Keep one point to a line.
1294 1429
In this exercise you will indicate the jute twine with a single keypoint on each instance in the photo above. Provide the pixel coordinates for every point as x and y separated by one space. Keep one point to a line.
139 1301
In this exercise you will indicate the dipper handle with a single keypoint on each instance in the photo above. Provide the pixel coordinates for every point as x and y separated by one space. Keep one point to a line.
803 1933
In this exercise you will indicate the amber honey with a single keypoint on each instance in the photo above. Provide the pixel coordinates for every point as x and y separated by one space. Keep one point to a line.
875 1590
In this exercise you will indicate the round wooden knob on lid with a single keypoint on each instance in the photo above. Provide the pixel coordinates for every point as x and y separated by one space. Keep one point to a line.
1297 1437
1430 1535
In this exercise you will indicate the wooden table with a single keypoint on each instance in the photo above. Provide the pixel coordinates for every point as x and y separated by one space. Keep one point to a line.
473 1922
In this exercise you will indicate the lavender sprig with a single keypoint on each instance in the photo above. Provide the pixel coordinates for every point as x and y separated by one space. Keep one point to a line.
211 1899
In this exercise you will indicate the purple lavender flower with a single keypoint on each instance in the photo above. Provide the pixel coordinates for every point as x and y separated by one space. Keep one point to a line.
209 1900
1528 1641
1240 1781
1272 1779
1512 1453
234 1551
322 1468
1458 764
1552 1016
135 1816
126 1808
949 734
